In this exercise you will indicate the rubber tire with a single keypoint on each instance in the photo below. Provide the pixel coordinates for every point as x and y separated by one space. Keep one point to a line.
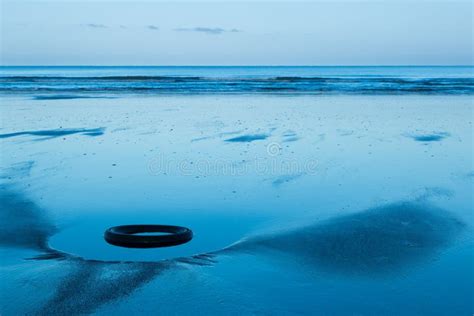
124 236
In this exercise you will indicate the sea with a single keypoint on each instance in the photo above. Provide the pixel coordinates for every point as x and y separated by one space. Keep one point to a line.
237 80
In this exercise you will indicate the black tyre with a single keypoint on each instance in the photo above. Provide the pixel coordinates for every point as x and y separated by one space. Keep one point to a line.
127 236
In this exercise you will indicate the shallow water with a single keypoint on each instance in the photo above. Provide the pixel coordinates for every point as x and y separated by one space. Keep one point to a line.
348 205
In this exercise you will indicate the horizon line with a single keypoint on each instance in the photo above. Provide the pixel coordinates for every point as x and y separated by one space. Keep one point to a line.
255 65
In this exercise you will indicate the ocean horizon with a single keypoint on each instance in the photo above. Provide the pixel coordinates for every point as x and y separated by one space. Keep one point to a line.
152 80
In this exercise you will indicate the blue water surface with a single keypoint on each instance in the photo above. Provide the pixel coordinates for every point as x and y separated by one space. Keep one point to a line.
86 81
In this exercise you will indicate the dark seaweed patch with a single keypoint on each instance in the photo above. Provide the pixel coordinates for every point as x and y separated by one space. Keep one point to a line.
215 136
290 136
432 137
379 240
49 254
290 139
247 138
285 179
53 133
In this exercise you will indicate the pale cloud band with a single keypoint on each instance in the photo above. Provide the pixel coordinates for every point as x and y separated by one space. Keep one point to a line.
207 30
199 29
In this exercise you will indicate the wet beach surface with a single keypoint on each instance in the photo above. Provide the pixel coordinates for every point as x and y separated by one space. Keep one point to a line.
297 204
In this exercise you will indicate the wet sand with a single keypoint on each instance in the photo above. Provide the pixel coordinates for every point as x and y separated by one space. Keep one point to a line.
333 204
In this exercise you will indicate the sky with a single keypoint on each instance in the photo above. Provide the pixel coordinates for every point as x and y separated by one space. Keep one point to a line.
384 32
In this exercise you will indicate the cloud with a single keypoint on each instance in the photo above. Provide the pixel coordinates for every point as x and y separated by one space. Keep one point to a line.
152 27
96 26
207 30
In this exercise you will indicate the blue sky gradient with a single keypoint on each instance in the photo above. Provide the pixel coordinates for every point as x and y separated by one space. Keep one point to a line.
237 33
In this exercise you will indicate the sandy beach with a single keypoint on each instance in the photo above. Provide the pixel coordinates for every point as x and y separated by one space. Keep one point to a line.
339 194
